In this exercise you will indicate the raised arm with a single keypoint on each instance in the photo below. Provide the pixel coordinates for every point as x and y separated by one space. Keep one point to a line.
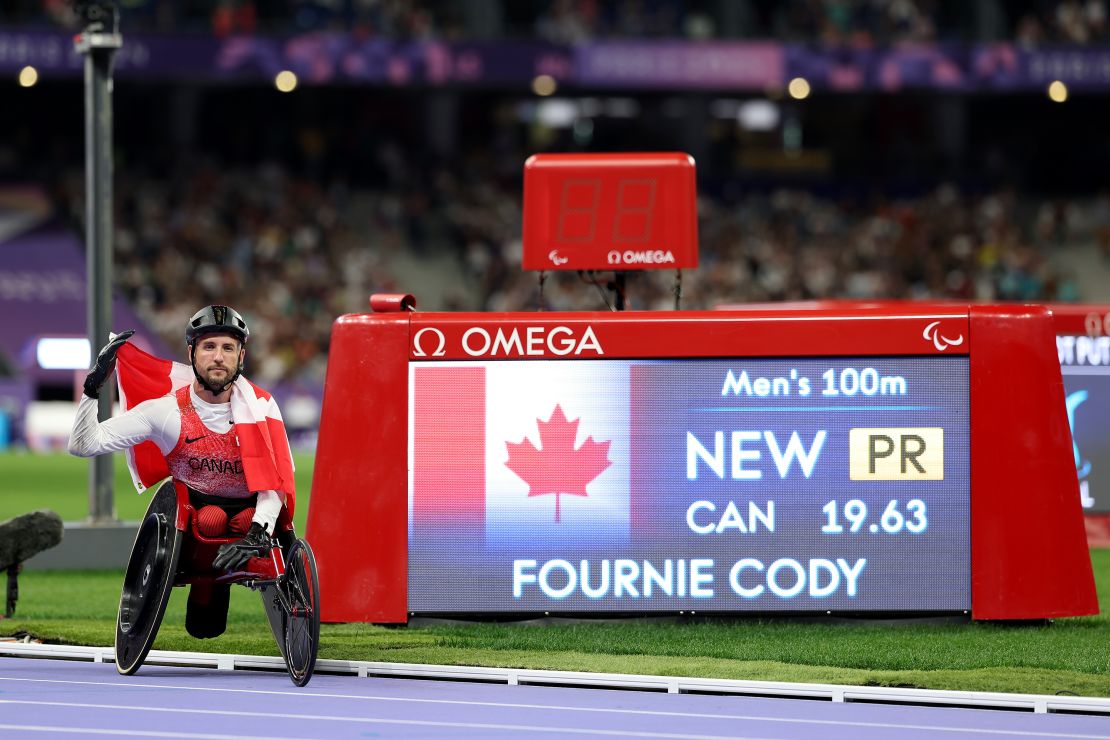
90 437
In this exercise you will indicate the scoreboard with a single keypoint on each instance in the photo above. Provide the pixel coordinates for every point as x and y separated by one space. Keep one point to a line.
610 212
854 460
664 485
1083 347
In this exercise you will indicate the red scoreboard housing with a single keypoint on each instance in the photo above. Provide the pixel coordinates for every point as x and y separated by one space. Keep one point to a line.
610 212
403 387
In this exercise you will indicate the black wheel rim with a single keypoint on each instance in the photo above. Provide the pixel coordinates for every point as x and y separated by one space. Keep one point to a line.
302 624
146 587
145 575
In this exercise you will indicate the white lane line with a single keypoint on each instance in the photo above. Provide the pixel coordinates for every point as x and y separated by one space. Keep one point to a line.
381 720
117 731
747 718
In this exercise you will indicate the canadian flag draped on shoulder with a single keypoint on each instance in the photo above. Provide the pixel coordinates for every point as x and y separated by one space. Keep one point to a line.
267 462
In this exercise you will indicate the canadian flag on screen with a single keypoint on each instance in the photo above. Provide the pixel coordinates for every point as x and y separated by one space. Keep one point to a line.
522 451
267 461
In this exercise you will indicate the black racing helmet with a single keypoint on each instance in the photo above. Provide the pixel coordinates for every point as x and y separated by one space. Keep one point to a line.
216 320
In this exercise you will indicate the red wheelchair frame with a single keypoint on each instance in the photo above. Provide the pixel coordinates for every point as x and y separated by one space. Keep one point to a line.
170 551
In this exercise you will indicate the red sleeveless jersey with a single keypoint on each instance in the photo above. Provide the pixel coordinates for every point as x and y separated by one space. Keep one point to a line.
203 460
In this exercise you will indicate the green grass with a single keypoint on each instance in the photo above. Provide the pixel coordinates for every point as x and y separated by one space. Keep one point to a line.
1069 655
60 482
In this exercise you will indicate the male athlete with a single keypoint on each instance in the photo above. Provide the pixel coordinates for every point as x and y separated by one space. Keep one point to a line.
194 429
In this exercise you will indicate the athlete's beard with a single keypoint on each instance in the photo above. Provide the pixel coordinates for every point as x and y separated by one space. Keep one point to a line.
216 383
218 380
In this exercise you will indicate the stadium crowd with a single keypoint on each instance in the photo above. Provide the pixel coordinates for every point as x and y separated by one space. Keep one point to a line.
297 241
850 22
293 252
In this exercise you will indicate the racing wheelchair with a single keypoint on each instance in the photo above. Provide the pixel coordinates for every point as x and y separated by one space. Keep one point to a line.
170 550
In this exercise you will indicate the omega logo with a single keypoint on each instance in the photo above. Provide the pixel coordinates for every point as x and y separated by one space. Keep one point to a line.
645 257
528 341
418 343
532 341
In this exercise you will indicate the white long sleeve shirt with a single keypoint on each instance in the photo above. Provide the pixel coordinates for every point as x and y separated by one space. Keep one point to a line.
159 421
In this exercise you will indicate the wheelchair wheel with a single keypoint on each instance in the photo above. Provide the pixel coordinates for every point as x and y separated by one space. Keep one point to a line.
301 636
146 590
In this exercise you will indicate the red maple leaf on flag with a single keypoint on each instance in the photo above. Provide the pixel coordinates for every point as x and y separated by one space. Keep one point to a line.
556 466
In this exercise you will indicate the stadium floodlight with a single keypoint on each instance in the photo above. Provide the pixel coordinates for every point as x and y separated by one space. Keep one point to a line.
63 353
28 76
758 115
557 113
1057 92
285 81
798 88
544 85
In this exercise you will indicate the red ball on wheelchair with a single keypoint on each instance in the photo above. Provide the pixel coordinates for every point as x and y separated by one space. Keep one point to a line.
212 521
241 522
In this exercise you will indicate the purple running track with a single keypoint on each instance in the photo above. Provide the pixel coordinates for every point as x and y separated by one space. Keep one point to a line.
53 698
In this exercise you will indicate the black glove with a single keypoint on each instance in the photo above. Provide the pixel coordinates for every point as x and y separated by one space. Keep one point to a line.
105 364
234 555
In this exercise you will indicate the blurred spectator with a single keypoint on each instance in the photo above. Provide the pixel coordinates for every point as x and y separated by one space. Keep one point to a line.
1029 32
568 21
1063 22
391 18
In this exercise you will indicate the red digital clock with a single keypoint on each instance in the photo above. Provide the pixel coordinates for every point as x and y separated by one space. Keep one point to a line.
610 212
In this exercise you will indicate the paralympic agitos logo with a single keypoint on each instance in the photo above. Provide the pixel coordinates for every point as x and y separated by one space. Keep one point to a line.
940 341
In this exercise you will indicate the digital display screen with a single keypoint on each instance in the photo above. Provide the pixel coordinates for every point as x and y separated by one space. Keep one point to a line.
609 212
727 485
1085 365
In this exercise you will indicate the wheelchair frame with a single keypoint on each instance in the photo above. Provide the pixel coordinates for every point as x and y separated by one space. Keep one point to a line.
170 551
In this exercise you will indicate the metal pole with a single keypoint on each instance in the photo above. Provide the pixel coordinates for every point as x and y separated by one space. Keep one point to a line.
98 42
618 288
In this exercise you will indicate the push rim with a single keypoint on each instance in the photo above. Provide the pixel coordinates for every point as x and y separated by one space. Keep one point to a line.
146 590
